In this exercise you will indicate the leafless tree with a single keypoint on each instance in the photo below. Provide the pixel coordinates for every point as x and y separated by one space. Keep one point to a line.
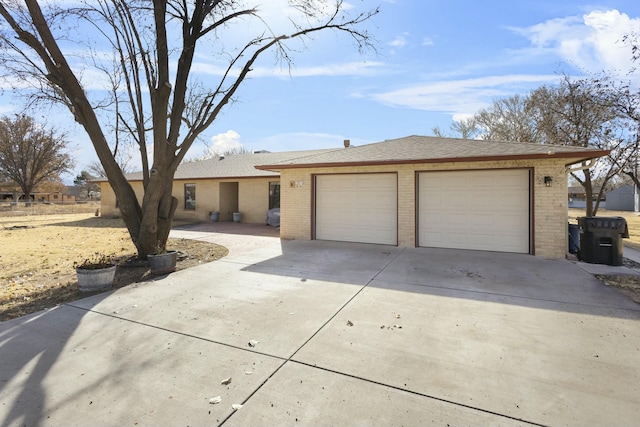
31 155
149 64
583 113
508 119
463 128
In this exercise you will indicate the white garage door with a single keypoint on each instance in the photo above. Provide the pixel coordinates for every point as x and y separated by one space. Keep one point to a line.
482 210
357 208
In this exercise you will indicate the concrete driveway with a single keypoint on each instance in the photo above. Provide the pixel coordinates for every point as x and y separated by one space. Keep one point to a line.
322 333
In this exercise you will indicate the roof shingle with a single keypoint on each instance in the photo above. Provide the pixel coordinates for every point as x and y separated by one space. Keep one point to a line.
427 149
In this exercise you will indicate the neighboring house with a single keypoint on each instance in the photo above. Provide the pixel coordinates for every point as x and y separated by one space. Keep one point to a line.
80 192
578 199
621 198
227 185
56 197
432 192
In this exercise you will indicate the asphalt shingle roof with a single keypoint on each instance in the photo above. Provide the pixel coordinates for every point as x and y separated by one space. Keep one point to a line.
418 149
233 166
410 149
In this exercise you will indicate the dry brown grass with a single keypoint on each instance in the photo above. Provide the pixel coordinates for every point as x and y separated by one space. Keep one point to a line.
633 222
38 252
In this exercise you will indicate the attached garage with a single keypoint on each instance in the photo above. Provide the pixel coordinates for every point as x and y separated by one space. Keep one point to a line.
357 208
478 209
434 192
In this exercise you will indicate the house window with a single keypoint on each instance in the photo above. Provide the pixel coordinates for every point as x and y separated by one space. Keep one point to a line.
274 194
190 196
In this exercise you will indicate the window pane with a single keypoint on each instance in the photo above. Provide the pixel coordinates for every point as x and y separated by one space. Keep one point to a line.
274 194
190 196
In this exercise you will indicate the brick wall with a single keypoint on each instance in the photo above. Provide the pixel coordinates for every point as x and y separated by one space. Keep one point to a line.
549 203
253 198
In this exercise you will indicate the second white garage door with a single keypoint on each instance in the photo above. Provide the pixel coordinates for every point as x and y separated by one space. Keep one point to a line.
482 210
357 208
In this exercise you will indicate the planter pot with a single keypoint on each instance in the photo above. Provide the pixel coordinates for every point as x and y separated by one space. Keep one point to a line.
237 217
214 216
93 280
163 263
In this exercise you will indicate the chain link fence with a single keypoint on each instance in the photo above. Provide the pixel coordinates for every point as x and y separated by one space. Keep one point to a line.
8 209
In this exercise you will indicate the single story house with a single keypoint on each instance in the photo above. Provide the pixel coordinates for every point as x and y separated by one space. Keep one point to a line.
55 197
433 192
227 185
578 198
413 191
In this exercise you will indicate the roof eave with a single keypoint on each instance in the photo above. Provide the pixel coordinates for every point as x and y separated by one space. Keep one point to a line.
578 156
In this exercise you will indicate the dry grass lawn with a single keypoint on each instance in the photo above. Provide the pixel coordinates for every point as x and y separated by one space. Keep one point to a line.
38 253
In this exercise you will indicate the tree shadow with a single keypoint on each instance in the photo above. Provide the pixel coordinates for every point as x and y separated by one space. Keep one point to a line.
29 348
502 278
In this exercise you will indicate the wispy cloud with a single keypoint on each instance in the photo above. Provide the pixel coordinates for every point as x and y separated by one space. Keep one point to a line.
463 96
355 68
427 41
399 41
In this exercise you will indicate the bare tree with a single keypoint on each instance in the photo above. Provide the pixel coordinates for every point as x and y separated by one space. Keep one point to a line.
154 46
31 155
583 113
463 128
508 119
627 103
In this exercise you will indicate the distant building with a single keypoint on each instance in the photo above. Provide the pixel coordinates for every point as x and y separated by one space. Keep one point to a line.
621 198
578 199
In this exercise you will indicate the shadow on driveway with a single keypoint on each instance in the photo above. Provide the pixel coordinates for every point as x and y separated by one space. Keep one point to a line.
503 278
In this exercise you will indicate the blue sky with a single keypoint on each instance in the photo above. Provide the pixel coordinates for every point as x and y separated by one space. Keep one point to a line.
436 60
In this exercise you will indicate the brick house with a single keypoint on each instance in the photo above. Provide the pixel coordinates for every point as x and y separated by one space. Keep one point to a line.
433 192
226 185
412 191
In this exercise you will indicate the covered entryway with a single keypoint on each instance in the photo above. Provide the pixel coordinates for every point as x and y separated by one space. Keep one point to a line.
479 209
357 208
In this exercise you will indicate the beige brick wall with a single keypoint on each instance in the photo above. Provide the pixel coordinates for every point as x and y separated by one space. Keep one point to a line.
549 203
253 198
295 205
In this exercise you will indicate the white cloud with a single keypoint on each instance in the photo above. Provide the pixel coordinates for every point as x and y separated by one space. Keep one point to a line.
427 41
592 42
227 141
399 41
460 97
354 68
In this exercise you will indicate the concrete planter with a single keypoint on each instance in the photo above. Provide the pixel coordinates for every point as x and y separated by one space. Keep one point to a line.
163 263
93 280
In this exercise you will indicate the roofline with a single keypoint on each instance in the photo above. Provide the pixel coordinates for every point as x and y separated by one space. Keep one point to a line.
562 155
274 175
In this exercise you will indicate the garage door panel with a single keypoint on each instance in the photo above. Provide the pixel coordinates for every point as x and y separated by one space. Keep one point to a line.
482 210
357 208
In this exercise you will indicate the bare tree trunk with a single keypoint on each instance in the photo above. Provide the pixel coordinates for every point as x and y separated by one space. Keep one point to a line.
588 193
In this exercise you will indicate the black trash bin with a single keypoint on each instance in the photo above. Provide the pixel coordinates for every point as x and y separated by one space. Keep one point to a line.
601 239
574 238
